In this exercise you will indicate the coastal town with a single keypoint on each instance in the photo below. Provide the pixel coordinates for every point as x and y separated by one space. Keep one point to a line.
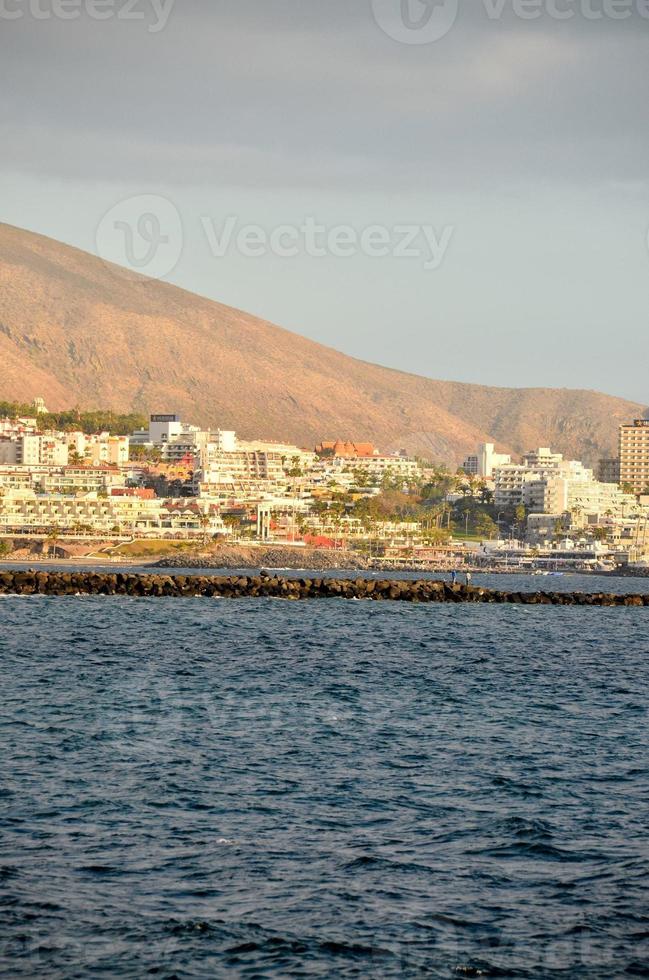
101 485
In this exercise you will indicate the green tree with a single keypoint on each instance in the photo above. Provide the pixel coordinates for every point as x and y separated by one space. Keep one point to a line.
232 521
485 525
53 538
521 519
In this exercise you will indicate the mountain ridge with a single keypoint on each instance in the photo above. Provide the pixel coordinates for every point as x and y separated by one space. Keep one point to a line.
77 330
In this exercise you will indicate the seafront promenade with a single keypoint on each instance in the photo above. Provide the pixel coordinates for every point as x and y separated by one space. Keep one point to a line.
31 582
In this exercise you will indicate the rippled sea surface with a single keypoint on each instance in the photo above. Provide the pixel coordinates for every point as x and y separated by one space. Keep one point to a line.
201 788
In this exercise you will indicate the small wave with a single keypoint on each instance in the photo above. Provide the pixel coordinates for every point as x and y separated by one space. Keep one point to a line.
101 870
536 850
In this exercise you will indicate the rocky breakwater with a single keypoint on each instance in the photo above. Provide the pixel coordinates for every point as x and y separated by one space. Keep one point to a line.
30 582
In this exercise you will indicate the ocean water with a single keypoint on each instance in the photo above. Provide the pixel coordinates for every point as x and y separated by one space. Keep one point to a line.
204 788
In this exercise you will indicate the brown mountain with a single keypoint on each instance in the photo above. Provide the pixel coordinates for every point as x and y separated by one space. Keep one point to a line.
78 331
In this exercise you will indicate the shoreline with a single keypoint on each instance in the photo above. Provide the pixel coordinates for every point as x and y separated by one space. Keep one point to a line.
212 564
256 559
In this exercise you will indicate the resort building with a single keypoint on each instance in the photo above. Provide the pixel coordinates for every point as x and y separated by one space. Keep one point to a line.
524 483
239 471
485 461
31 449
374 467
68 480
23 511
99 449
545 483
634 455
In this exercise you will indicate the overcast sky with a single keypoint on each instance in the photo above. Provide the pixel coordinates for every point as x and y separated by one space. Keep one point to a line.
446 187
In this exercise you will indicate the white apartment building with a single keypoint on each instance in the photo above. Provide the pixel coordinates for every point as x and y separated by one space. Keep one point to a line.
485 461
373 466
523 483
32 449
17 427
545 483
81 479
99 449
290 454
61 479
590 501
165 428
543 459
23 511
162 429
178 441
226 441
239 470
191 445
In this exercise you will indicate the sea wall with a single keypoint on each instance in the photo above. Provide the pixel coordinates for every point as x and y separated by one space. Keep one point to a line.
100 583
259 557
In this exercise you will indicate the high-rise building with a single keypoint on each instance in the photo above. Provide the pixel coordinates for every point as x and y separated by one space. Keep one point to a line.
485 461
634 455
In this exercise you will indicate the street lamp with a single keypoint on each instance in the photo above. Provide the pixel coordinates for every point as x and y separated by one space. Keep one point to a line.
500 512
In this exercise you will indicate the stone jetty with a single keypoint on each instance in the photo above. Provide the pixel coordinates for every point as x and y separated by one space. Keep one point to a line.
273 586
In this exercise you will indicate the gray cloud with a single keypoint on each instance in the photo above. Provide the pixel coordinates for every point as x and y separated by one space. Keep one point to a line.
529 137
299 93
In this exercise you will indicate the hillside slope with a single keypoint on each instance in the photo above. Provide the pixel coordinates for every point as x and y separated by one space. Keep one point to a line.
78 331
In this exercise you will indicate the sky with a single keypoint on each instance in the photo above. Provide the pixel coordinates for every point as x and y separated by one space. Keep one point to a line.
457 188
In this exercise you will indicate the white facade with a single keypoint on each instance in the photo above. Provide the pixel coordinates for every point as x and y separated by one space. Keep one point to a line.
164 428
62 479
545 483
100 449
239 470
25 510
224 441
525 483
489 459
32 449
485 461
375 466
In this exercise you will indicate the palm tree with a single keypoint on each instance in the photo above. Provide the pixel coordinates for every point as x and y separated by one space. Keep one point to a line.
205 522
53 538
